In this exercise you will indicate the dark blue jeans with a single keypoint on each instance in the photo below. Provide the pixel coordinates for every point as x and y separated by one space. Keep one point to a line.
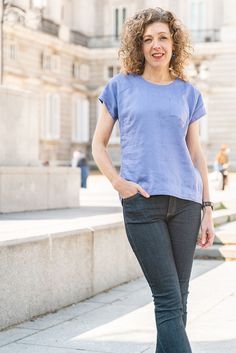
84 175
162 231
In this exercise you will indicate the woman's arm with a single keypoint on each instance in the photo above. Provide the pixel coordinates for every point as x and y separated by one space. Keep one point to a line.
100 154
100 141
197 156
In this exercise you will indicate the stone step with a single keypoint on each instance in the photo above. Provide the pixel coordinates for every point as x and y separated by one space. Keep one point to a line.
226 234
224 246
223 216
217 252
225 238
218 205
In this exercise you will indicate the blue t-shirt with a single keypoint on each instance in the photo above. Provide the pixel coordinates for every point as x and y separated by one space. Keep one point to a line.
153 121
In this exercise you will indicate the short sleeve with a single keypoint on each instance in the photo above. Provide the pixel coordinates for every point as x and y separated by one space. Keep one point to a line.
198 108
109 98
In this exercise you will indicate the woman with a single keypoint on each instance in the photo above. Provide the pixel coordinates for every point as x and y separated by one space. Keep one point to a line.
222 164
163 181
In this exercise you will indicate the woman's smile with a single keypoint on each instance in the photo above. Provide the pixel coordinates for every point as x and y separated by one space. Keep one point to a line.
158 56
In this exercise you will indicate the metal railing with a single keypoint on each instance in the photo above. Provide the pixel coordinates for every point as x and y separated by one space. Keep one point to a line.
79 38
49 27
109 41
113 41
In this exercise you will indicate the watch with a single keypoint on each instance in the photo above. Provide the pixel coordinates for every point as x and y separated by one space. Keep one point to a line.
207 204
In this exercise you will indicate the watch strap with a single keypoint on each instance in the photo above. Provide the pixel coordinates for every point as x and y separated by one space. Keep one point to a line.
207 204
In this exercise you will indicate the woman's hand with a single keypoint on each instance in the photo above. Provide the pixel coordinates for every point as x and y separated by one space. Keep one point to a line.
128 188
207 235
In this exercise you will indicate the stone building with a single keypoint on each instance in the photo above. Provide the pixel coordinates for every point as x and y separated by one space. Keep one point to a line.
65 51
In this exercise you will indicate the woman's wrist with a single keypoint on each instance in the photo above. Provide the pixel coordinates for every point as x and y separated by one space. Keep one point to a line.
207 210
116 181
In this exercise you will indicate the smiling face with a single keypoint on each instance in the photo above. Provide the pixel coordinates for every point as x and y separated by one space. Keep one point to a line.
157 45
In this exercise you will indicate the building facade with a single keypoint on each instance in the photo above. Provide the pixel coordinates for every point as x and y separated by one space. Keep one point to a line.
64 52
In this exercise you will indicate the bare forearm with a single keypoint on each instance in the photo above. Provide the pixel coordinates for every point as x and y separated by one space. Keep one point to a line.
104 163
201 165
207 224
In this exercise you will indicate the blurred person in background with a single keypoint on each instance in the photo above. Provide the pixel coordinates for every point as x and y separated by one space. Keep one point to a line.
163 181
79 160
222 164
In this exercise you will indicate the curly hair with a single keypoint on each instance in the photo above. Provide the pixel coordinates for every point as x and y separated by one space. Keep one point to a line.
131 54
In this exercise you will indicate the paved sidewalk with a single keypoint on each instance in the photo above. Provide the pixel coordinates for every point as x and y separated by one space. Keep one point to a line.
122 320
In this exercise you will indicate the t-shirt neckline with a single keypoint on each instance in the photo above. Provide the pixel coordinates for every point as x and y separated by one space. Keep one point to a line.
157 84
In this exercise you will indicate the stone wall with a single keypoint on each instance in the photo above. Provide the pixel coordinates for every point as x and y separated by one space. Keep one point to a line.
38 188
19 130
41 274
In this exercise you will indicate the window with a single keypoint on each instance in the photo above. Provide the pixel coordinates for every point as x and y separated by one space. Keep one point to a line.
51 117
12 51
76 70
197 19
50 62
119 18
46 62
80 119
81 71
111 71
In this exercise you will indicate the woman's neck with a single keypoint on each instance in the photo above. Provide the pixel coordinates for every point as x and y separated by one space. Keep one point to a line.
158 76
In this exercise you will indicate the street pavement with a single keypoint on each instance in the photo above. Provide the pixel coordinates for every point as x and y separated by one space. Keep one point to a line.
121 320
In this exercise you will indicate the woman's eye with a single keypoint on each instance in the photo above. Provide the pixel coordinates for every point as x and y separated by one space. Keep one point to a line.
163 37
147 40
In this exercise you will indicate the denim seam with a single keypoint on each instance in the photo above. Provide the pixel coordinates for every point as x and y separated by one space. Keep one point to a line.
142 265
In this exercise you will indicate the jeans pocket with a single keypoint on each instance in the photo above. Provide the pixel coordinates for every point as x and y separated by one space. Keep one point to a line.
131 197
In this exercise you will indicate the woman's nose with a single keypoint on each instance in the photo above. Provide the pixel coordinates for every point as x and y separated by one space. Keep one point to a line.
156 45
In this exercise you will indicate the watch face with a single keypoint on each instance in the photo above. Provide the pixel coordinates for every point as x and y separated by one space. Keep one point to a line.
208 204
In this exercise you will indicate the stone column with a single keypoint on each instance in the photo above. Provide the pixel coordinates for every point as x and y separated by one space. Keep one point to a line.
228 30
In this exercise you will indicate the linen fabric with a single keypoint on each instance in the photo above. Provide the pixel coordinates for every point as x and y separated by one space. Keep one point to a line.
153 121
